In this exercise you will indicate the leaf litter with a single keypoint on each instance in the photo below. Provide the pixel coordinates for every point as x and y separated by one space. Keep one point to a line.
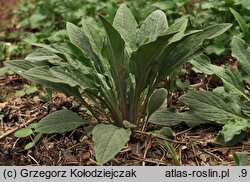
195 146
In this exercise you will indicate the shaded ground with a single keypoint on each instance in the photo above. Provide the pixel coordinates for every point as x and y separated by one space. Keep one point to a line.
7 17
194 146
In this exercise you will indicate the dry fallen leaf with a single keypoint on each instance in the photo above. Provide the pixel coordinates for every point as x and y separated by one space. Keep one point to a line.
2 105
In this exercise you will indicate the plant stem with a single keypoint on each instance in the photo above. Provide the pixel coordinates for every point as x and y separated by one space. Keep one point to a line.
112 106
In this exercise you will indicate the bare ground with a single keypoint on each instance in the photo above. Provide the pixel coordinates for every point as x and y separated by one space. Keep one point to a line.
195 147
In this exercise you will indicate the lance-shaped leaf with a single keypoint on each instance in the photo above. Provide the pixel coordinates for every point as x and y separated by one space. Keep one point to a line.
179 26
74 77
80 56
242 23
79 38
41 55
202 64
24 132
145 56
156 100
96 40
116 54
119 63
169 117
241 51
20 66
186 49
126 24
94 35
154 26
108 141
212 106
42 75
59 122
231 78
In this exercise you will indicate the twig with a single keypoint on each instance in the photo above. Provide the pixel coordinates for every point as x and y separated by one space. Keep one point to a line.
10 80
34 159
149 160
163 138
94 162
197 85
15 129
215 156
183 132
195 155
146 151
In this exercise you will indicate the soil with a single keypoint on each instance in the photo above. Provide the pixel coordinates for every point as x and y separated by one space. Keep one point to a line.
7 18
196 146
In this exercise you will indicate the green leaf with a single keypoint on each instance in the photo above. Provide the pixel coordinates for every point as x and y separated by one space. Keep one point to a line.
166 132
243 159
202 64
241 51
36 20
37 74
19 66
170 117
41 55
31 90
179 26
74 77
212 106
116 52
166 117
182 84
142 65
20 93
128 124
231 78
3 71
126 25
117 57
108 141
178 52
236 158
23 132
43 76
240 159
29 145
234 128
33 143
156 100
79 57
242 23
154 26
59 122
94 35
80 39
172 152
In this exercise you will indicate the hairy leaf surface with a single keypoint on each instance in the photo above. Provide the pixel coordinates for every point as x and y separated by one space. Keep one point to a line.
241 51
59 122
231 79
154 26
108 141
156 100
126 24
